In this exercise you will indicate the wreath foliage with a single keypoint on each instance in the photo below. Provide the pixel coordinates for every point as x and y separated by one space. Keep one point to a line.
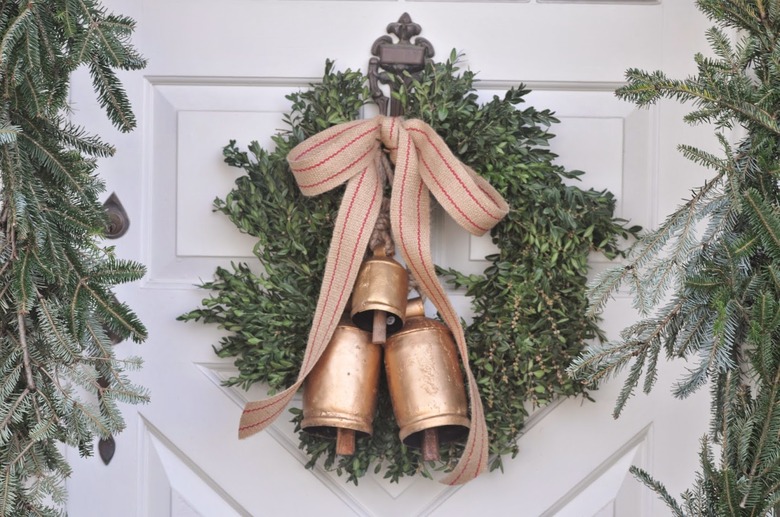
529 304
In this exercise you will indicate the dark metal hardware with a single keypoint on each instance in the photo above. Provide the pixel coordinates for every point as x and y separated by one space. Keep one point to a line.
397 58
106 449
106 446
118 220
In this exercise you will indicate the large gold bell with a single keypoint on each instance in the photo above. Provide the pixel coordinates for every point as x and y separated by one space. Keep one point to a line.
340 393
425 383
379 296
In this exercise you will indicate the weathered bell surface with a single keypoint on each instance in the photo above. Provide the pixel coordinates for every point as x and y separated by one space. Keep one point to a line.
426 383
379 296
340 393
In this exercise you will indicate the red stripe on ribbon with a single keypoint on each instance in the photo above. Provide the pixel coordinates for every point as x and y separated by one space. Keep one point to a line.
457 176
328 139
336 153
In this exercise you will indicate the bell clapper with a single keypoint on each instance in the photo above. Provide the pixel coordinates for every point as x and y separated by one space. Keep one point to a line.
430 444
345 442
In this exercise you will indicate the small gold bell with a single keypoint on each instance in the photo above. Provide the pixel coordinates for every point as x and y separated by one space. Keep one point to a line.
425 383
340 393
379 296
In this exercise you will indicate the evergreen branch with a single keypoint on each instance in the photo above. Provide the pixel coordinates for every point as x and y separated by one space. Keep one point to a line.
12 410
69 18
91 414
8 468
23 286
746 246
8 133
692 336
646 479
644 88
729 490
8 492
77 138
49 216
603 286
111 95
25 352
54 163
703 158
721 45
43 28
741 19
765 435
632 380
118 317
34 67
650 245
765 221
55 328
107 354
641 302
11 37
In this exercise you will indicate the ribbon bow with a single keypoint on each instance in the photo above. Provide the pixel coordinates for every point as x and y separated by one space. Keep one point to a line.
349 153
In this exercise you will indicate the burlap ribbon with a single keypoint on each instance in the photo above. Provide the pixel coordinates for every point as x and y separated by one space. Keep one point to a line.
349 153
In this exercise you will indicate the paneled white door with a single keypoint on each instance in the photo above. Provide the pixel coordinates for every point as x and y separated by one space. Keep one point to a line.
219 71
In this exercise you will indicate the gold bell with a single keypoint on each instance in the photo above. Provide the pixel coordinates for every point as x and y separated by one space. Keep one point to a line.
425 383
379 296
340 393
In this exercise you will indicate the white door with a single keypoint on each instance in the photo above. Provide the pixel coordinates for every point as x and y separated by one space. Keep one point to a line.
219 71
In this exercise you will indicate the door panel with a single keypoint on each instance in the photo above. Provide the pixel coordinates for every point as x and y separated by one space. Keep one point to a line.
219 71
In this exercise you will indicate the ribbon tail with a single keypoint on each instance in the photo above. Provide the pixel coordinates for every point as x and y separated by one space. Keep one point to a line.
356 218
474 460
410 220
259 415
466 196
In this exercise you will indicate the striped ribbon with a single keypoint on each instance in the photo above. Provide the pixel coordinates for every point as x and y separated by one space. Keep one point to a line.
349 153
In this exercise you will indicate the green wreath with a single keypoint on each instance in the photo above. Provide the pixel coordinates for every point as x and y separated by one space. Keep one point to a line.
529 305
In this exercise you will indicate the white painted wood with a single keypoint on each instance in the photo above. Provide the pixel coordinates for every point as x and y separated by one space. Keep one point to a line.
219 71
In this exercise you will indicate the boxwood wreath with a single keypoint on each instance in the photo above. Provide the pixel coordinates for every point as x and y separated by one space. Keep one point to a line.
529 304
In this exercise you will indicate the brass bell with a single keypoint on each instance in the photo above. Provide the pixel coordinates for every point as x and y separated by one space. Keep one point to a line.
340 393
379 296
426 383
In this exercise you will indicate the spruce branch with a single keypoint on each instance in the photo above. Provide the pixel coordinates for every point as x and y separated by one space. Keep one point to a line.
55 277
726 280
12 411
25 352
645 89
764 437
645 478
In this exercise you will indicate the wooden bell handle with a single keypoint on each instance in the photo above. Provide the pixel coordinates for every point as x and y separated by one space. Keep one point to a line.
430 445
345 442
379 328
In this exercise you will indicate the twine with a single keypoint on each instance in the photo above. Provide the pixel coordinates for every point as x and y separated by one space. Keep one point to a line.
352 153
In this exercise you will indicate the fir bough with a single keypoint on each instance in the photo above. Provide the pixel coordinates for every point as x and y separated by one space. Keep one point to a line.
59 380
529 304
707 281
